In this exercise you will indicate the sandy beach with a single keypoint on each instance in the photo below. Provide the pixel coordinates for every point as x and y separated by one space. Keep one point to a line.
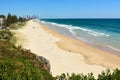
66 55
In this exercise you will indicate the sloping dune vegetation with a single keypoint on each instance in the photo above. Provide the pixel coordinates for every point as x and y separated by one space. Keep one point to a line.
17 63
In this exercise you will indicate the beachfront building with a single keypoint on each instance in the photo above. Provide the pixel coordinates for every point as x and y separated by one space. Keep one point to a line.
1 23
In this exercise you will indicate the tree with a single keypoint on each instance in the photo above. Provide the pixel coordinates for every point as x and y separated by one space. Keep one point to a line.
2 16
21 19
14 19
11 19
116 74
8 20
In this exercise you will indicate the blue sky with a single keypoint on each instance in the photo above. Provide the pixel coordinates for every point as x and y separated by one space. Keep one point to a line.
62 8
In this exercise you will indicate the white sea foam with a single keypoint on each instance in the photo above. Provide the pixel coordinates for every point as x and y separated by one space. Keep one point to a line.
36 20
92 32
88 31
114 48
72 28
61 25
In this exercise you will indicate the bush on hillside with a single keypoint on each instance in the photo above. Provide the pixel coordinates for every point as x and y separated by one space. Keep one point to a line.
17 63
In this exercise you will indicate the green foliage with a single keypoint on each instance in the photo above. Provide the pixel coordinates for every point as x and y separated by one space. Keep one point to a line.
116 74
105 75
5 35
73 76
11 19
20 64
21 69
8 20
17 63
14 19
17 25
2 16
21 19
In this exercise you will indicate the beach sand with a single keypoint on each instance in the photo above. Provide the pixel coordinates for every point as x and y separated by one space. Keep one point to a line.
66 55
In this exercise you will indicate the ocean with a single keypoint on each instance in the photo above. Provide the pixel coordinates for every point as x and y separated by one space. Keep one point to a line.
101 33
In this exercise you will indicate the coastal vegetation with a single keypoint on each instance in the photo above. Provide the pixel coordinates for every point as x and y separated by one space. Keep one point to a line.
2 16
5 35
104 75
12 21
17 63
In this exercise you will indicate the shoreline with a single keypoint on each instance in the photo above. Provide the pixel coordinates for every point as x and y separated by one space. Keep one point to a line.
71 34
66 55
109 52
104 48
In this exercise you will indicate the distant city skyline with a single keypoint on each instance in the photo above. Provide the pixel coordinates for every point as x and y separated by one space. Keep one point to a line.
62 8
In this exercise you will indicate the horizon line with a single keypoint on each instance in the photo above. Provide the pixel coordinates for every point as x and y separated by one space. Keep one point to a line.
79 18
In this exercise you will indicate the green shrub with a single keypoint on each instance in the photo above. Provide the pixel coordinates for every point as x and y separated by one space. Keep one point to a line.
17 63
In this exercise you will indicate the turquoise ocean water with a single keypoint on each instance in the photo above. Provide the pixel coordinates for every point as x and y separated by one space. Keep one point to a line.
100 32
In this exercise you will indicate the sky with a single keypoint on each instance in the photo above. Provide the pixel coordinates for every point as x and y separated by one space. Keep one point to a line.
62 8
